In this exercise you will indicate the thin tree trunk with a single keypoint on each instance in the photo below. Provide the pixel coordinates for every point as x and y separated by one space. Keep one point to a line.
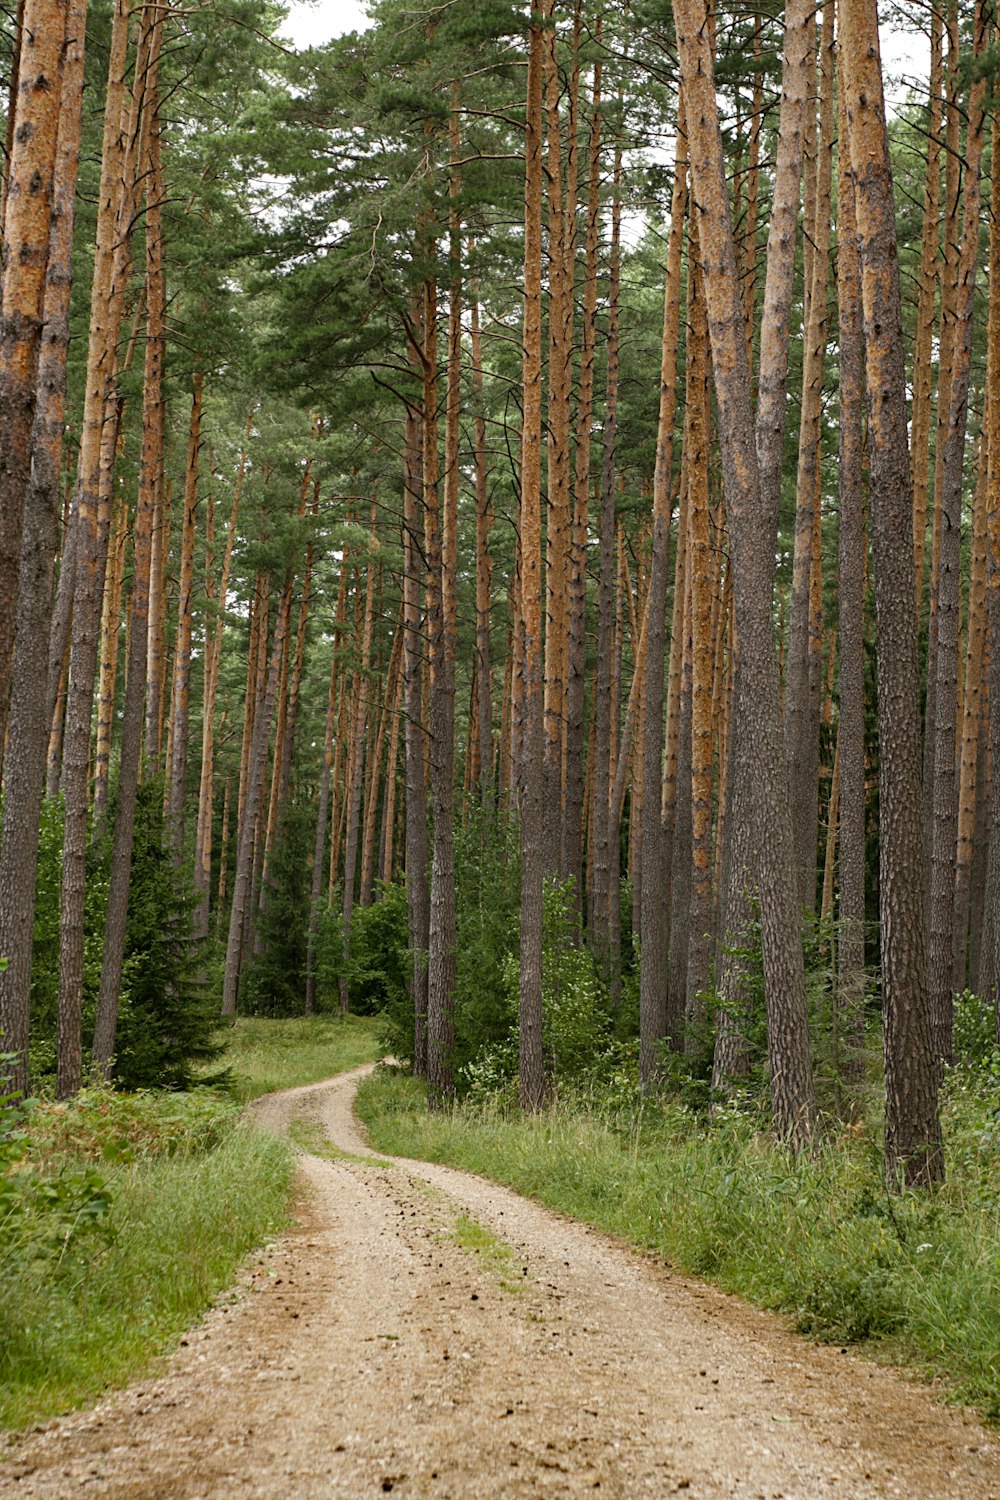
801 702
111 625
243 874
573 841
417 894
969 791
355 782
923 376
941 959
702 657
532 1082
323 809
851 623
604 864
182 645
150 483
95 465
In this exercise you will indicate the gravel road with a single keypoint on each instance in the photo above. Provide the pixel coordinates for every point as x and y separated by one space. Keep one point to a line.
424 1332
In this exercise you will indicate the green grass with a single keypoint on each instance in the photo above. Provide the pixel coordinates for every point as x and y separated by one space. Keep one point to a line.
74 1323
90 1293
310 1136
266 1055
914 1278
494 1253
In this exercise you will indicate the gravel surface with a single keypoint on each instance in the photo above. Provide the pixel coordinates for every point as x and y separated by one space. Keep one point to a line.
426 1333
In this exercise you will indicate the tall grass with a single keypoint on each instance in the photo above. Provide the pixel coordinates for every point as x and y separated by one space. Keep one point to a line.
176 1231
914 1276
265 1055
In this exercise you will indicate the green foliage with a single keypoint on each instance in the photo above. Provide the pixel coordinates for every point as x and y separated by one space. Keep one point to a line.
276 975
818 1237
379 957
175 1232
167 1013
264 1055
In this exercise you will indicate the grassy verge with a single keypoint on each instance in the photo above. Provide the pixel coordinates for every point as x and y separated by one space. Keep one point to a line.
913 1278
130 1216
265 1055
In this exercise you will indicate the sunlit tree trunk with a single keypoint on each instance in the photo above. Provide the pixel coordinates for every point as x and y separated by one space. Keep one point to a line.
28 206
30 718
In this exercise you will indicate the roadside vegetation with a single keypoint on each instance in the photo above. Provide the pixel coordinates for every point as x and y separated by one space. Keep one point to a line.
125 1216
912 1278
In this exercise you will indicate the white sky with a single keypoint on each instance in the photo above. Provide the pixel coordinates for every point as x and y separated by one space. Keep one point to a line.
905 54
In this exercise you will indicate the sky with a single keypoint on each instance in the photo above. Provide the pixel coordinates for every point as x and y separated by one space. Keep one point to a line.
905 54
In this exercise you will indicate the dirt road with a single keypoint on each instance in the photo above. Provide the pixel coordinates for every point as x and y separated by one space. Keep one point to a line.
425 1333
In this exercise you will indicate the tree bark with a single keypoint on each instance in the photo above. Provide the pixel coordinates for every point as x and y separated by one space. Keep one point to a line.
28 207
532 1082
150 485
29 717
913 1135
851 623
243 874
752 562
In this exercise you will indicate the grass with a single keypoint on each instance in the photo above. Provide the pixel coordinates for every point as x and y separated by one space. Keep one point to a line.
310 1136
913 1278
94 1311
494 1253
124 1217
265 1055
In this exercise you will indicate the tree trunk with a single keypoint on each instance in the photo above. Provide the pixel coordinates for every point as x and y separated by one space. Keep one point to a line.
702 659
354 782
573 844
323 809
801 702
182 644
851 624
150 484
28 208
604 864
923 374
752 563
114 216
29 717
417 894
969 791
532 1082
243 874
941 965
913 1135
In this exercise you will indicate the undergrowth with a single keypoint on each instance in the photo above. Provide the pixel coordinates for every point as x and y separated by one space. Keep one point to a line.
121 1219
915 1276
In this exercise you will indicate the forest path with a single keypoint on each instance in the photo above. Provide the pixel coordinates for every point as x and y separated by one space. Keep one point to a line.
427 1333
